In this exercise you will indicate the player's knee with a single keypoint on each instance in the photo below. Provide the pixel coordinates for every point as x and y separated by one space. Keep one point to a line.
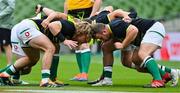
141 69
25 70
104 47
142 54
136 60
126 63
50 49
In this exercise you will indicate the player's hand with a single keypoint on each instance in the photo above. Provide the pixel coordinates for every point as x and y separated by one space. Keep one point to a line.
127 19
45 23
118 45
70 43
38 8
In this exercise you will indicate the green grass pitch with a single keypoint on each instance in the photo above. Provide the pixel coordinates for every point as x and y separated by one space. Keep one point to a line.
124 79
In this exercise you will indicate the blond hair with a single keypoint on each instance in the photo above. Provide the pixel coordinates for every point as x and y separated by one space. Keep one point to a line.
90 30
83 28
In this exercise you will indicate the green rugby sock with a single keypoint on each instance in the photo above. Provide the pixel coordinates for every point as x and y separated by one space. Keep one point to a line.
108 71
45 75
4 69
11 70
168 69
152 67
102 75
78 59
85 59
162 72
54 67
164 68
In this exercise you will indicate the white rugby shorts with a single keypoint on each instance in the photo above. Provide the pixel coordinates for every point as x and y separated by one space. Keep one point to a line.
155 34
22 33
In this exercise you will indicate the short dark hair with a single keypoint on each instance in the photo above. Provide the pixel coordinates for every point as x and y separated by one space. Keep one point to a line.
96 28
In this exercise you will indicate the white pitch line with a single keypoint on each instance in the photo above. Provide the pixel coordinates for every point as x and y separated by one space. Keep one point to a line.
63 91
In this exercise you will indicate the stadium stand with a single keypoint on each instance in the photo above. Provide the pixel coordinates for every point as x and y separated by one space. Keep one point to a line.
168 10
156 9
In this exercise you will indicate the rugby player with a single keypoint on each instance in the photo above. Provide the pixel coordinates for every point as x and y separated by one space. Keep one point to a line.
28 39
105 17
82 9
118 29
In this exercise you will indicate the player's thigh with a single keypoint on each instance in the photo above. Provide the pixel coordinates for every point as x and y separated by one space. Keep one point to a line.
126 58
33 54
135 57
42 42
147 49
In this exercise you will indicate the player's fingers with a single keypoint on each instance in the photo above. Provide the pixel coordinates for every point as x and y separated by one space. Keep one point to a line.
74 45
75 42
69 46
44 24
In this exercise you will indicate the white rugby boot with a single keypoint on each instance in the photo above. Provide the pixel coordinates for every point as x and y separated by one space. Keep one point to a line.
175 77
104 82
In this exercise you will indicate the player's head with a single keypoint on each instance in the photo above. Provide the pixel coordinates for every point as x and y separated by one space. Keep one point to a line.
100 31
83 32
